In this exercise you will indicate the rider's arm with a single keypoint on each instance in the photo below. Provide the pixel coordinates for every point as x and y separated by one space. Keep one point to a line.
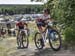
47 18
16 26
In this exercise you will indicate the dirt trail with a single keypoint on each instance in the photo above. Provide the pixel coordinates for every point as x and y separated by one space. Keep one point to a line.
12 50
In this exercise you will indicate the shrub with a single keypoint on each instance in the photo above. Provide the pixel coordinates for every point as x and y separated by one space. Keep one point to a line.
70 36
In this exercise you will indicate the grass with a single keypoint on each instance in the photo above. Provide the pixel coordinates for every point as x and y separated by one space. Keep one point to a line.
6 45
33 29
3 51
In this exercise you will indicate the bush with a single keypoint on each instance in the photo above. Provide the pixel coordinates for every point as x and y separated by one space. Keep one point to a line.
70 36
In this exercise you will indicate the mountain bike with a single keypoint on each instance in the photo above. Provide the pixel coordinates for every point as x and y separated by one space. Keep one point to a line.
22 39
52 35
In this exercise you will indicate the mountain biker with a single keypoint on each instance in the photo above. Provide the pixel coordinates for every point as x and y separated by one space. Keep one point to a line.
21 26
42 22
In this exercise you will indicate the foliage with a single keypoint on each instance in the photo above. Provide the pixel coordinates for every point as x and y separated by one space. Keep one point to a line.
70 35
20 9
64 12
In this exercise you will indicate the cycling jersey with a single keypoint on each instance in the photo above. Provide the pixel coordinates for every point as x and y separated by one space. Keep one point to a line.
21 25
44 17
40 21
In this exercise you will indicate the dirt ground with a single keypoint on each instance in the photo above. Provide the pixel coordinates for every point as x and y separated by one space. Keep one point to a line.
9 48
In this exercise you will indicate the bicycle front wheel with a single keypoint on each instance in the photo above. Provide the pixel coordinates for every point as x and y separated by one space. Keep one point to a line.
38 41
25 41
54 40
19 41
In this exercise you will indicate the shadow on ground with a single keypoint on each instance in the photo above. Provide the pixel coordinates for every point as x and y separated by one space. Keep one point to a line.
44 52
50 52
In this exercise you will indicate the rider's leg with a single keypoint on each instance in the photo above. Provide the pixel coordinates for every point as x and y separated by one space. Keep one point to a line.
26 27
40 29
44 31
26 32
41 39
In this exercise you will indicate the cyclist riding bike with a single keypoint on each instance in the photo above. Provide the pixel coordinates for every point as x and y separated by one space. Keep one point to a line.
47 32
21 26
23 33
42 22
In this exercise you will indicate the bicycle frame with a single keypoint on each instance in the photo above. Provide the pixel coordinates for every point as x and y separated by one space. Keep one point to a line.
46 32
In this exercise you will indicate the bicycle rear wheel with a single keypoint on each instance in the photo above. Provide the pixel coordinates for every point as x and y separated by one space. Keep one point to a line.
54 40
38 41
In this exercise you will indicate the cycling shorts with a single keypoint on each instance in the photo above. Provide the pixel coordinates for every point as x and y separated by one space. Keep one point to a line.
42 23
